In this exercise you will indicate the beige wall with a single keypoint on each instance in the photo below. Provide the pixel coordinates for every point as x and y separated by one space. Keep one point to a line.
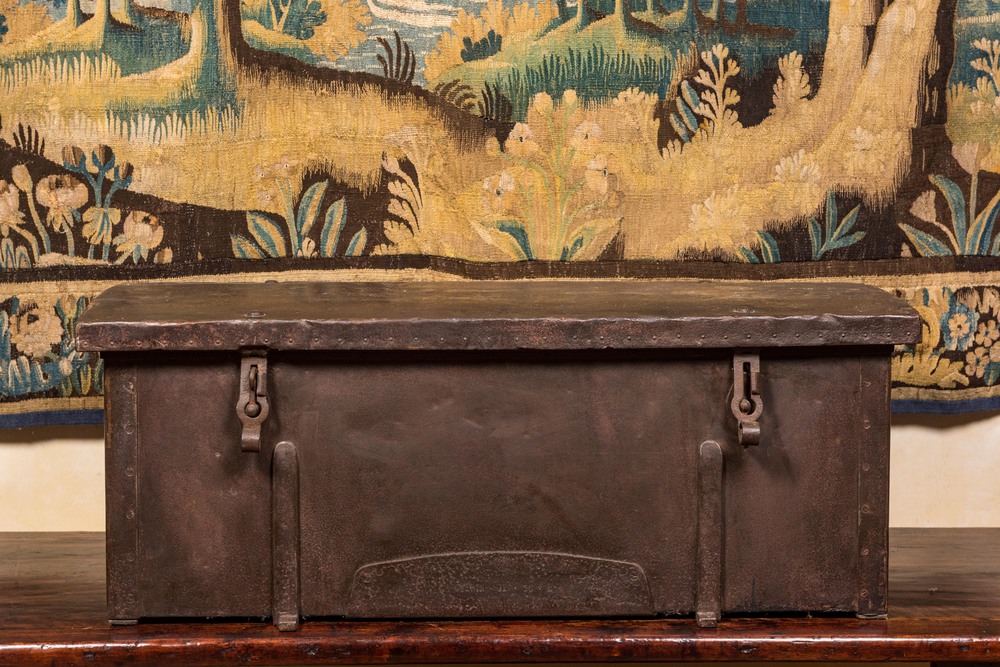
944 473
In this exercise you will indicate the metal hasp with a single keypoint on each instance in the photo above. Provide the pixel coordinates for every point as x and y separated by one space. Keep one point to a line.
252 407
747 403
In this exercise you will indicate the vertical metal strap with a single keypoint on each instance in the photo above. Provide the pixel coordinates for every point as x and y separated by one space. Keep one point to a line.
708 602
873 486
121 458
285 537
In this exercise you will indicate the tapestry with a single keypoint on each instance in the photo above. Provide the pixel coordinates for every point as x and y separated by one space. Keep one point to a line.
227 140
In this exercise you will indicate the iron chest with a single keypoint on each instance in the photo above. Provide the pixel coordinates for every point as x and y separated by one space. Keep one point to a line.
496 449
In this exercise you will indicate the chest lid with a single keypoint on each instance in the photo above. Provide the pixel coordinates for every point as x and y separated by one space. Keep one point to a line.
492 316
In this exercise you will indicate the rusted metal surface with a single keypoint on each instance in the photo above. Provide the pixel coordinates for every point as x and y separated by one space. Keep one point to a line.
285 537
121 458
747 403
491 584
493 315
873 491
416 480
711 465
253 407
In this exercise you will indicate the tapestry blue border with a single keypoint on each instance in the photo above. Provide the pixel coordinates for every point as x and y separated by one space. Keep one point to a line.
915 407
52 418
90 417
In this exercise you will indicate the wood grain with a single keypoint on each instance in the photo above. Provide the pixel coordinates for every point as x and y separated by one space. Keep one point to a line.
944 605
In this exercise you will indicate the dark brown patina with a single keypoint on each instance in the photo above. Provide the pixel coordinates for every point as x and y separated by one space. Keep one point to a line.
496 449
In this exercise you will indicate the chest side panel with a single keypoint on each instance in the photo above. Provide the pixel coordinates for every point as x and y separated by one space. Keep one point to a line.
204 506
791 503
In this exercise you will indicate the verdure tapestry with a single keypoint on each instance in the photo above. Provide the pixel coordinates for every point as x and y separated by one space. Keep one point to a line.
244 140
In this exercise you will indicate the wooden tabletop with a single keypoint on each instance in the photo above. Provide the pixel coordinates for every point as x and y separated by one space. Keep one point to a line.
944 607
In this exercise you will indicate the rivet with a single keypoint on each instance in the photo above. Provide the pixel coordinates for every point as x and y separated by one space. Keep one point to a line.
129 471
865 552
866 467
130 514
864 592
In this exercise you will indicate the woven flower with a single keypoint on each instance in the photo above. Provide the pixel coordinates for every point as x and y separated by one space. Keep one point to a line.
976 361
987 333
924 207
521 140
969 155
308 248
62 195
496 187
10 211
21 177
35 331
586 135
797 168
597 175
542 103
100 223
142 232
958 326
